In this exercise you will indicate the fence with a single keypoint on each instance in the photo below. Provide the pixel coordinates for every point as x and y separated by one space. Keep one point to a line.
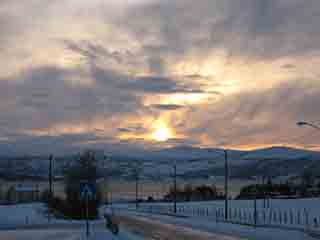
269 217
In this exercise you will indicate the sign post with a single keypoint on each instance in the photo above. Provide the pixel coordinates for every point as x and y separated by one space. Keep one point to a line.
87 215
87 192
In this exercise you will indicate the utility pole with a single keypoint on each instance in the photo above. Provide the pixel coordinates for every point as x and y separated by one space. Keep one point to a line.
50 186
255 205
226 177
137 168
50 177
264 192
137 190
87 216
175 188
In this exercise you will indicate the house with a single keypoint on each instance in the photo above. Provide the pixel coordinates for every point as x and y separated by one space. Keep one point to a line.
23 194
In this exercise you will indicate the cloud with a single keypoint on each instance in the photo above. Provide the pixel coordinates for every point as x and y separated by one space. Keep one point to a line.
65 69
260 118
43 97
167 107
254 28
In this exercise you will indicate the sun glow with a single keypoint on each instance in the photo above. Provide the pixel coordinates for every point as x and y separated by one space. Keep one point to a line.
162 134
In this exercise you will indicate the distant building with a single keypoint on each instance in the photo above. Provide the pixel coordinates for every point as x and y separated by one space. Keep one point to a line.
23 194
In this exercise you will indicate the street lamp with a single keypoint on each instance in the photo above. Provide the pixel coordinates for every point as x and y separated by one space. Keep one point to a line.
136 169
175 188
50 182
226 183
107 172
50 177
302 124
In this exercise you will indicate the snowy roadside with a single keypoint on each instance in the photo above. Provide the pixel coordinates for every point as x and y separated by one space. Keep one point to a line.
64 235
29 221
207 226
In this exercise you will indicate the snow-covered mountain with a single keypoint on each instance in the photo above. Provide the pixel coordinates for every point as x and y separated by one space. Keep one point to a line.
191 162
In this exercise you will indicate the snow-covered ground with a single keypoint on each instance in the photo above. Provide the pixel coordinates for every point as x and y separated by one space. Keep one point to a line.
63 235
234 231
294 214
22 214
29 221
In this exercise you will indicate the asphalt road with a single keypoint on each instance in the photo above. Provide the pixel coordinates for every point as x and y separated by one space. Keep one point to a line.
146 228
156 230
40 235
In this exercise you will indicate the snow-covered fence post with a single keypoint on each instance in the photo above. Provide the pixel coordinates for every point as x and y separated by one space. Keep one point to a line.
315 222
275 217
241 216
245 216
216 214
291 217
306 215
236 213
250 219
299 217
285 218
264 216
270 217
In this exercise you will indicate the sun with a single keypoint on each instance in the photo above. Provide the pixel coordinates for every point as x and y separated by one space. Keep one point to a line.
161 134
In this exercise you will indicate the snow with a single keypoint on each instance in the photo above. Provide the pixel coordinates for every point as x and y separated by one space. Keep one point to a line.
63 235
28 221
210 226
284 215
21 214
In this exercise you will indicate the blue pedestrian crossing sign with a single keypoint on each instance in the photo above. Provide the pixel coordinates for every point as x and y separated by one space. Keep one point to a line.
87 190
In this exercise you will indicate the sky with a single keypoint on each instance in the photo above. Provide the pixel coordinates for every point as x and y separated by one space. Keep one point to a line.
129 74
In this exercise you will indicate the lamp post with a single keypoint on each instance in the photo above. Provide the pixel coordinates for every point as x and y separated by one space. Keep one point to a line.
302 124
50 177
137 169
50 197
108 168
175 188
226 183
137 190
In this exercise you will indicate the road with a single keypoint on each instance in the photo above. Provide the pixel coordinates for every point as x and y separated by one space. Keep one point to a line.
141 228
63 232
164 227
40 235
156 230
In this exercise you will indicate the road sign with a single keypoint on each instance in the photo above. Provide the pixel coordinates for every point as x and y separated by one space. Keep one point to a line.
87 190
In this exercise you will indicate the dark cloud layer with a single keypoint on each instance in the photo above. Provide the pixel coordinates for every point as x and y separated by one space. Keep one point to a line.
264 117
256 28
107 66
